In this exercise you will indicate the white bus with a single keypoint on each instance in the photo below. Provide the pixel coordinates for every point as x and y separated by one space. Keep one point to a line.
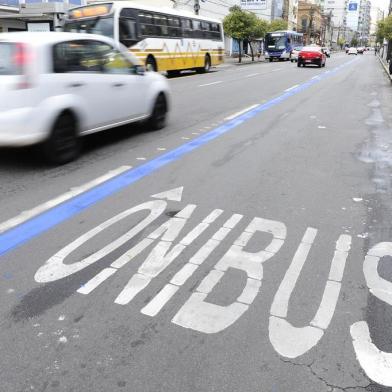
163 39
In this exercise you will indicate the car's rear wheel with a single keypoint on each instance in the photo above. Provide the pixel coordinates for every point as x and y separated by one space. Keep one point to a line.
320 64
270 60
63 144
158 116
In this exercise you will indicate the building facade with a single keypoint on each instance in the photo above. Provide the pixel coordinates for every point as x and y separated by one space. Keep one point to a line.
33 15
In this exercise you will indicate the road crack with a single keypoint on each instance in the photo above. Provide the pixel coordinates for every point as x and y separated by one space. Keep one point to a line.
332 387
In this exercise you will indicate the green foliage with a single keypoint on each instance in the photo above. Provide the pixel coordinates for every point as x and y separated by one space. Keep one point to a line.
384 29
354 42
341 42
277 24
241 25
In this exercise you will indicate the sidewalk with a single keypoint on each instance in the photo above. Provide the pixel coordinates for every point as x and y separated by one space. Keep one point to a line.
385 65
246 60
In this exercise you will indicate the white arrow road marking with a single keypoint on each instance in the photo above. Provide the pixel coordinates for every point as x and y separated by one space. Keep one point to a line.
26 215
286 339
173 194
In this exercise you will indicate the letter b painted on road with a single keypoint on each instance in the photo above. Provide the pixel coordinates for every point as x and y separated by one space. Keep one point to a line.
199 314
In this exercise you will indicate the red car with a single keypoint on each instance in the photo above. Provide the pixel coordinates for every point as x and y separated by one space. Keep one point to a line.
312 55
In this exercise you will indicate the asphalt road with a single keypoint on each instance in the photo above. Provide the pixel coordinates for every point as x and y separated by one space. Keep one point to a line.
248 275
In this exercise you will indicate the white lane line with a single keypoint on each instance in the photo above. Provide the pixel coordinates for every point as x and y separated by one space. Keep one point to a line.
161 148
141 159
210 84
291 88
26 215
315 77
253 74
277 69
241 112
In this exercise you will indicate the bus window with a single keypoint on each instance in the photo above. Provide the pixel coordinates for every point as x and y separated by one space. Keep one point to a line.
174 27
197 32
127 29
147 27
187 28
160 22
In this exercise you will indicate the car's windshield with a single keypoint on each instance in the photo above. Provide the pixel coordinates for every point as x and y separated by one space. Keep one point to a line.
276 41
8 63
102 26
311 49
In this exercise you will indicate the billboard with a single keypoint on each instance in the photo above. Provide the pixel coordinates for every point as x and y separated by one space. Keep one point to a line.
253 4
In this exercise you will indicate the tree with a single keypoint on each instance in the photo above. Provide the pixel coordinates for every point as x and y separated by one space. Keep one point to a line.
341 42
243 25
277 24
354 42
259 30
384 29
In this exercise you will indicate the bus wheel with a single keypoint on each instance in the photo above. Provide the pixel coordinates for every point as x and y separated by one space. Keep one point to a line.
207 65
151 64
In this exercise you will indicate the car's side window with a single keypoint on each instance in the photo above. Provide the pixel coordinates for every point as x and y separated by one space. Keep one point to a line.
77 56
90 56
114 62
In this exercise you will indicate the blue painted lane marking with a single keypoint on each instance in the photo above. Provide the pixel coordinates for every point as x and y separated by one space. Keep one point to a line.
19 235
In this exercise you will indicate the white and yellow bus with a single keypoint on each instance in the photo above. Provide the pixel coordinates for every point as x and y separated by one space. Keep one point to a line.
163 39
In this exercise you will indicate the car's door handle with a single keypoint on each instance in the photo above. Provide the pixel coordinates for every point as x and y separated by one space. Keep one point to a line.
76 84
118 84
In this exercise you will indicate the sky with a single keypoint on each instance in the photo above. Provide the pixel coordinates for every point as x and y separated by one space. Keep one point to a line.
383 4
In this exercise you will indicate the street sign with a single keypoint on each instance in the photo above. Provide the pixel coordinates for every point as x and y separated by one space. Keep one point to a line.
353 6
253 4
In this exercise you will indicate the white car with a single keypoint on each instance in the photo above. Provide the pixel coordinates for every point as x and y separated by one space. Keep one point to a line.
352 51
294 53
56 87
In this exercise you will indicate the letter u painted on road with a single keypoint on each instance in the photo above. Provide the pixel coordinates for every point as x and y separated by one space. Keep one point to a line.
290 341
199 314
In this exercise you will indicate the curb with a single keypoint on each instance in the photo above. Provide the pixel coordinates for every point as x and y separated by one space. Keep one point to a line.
385 67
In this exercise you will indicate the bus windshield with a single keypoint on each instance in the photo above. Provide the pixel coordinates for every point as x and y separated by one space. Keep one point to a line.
275 41
103 26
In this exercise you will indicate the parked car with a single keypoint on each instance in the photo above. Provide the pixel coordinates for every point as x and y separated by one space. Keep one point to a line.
361 50
57 87
327 51
352 50
294 53
311 55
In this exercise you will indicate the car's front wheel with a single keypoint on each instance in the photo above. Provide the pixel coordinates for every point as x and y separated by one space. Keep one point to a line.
63 144
158 116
